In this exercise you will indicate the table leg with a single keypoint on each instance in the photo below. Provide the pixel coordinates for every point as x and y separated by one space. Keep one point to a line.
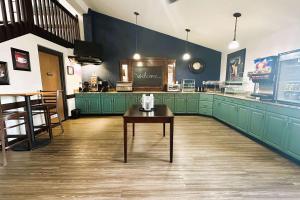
29 117
133 129
125 141
164 129
171 139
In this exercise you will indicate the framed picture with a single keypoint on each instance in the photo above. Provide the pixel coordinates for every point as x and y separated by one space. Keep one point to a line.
70 70
21 60
236 66
4 79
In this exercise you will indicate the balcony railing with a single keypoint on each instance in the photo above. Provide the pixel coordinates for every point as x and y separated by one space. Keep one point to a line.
44 18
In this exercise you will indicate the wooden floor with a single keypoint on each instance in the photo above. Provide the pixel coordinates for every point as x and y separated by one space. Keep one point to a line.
211 161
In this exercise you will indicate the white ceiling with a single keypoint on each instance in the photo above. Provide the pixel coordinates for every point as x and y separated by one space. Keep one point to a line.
211 21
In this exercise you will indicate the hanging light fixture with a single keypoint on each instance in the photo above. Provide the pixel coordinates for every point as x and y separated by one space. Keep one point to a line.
235 44
186 55
136 55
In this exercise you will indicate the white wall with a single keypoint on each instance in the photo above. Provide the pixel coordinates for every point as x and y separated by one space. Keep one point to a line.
24 81
282 41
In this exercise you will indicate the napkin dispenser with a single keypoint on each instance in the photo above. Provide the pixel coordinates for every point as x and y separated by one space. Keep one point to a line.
147 102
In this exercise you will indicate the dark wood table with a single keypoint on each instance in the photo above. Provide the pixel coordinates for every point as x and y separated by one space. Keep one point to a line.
160 114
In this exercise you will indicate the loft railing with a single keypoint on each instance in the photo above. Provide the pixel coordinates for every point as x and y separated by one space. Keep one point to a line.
45 18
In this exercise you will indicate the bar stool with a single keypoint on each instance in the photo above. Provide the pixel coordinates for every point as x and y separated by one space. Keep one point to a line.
49 107
16 116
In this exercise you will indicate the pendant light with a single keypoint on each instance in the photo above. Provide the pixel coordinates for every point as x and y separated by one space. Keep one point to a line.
136 55
235 44
186 55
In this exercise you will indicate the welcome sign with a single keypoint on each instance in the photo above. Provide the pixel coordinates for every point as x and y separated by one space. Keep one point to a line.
148 76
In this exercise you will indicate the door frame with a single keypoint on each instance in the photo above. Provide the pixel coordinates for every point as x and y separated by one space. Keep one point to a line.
62 74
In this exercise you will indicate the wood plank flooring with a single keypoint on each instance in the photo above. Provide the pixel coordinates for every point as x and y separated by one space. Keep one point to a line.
211 161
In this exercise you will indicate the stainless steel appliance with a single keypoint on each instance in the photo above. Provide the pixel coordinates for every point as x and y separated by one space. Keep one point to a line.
188 85
288 81
174 87
124 86
212 86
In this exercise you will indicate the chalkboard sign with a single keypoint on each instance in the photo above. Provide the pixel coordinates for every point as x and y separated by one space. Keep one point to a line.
148 76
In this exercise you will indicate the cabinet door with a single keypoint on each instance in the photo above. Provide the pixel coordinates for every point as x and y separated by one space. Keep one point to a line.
158 99
229 113
94 106
275 128
257 123
192 106
107 101
131 99
243 118
292 146
180 105
119 103
82 104
170 103
216 109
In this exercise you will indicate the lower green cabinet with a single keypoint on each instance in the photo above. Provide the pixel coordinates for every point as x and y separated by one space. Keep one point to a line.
192 106
257 123
119 103
275 130
170 102
292 146
243 118
88 104
107 104
180 105
113 103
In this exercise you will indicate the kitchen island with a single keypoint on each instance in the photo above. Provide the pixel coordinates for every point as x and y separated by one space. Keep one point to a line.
276 125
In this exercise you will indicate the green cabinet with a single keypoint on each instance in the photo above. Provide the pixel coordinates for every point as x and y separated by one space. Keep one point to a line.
169 100
132 99
257 123
243 118
158 99
88 103
217 109
292 143
192 103
107 104
229 113
275 130
119 103
113 103
205 105
180 105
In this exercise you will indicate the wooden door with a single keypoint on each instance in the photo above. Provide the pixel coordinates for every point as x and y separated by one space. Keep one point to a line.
51 76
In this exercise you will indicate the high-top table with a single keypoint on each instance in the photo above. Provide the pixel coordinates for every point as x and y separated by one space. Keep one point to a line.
160 114
27 97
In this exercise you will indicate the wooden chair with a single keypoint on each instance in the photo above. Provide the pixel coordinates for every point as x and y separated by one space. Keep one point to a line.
49 107
16 116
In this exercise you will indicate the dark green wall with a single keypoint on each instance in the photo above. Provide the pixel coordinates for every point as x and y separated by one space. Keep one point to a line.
117 38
